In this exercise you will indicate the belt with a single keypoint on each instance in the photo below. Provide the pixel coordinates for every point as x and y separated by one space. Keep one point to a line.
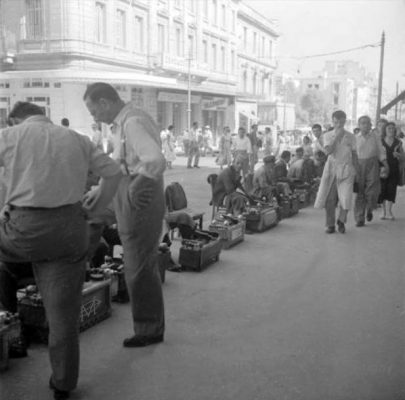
26 208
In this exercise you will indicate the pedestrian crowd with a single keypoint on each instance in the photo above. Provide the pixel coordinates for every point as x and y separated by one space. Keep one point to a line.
60 190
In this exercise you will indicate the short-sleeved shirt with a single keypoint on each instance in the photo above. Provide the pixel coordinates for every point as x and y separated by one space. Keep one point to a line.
344 149
242 144
143 153
46 165
369 146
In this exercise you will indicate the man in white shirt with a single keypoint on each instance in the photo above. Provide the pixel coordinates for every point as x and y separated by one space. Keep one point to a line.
242 147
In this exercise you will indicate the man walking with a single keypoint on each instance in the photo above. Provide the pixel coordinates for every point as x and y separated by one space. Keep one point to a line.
43 222
195 138
370 152
139 206
338 176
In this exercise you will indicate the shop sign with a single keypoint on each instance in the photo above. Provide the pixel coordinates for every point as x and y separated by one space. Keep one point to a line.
177 97
216 102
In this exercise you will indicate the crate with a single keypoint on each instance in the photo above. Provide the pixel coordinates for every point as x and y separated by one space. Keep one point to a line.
259 219
230 235
8 333
284 209
96 306
294 205
197 253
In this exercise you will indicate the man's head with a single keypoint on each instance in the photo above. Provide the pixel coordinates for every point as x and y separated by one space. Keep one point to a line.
267 130
306 140
241 132
356 131
286 156
339 119
299 152
227 130
319 156
23 110
381 124
103 102
317 130
65 122
170 128
238 163
254 128
195 125
269 161
364 123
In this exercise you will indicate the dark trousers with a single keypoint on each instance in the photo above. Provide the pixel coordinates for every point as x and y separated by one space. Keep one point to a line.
194 151
55 242
11 274
140 232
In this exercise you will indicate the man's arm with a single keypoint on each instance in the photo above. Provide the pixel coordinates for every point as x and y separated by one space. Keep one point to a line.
332 142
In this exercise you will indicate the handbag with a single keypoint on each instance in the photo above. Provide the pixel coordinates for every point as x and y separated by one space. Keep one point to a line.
401 166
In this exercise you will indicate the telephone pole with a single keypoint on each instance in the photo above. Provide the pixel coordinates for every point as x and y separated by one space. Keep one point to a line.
380 78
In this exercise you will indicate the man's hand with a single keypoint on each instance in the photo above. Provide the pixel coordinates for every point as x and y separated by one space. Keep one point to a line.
141 191
90 199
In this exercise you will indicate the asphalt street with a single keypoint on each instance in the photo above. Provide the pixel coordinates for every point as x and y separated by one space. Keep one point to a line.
289 314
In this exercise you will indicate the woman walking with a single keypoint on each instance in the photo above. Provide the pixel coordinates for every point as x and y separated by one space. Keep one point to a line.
393 147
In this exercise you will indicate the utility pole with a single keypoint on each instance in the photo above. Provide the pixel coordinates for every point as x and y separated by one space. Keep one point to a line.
380 78
396 105
189 94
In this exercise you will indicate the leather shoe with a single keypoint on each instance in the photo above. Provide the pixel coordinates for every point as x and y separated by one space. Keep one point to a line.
196 166
341 227
330 229
369 216
360 224
142 341
57 393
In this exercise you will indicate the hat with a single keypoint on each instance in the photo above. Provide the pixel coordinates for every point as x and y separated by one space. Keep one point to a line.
207 127
269 159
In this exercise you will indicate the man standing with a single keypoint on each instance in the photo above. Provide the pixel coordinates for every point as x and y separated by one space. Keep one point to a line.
195 138
338 176
254 141
43 222
370 152
318 142
139 206
242 148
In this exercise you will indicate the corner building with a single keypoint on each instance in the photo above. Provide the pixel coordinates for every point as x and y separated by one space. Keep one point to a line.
150 50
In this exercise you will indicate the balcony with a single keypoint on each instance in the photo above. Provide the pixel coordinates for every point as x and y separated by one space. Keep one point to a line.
168 64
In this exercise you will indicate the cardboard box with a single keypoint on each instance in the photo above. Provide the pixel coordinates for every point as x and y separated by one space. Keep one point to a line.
259 219
230 235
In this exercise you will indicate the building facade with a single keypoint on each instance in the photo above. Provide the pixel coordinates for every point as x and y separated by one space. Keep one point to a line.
155 52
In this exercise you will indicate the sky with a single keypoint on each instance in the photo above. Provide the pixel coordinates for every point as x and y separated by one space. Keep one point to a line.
309 27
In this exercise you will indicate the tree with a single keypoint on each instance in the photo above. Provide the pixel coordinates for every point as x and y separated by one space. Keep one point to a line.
313 102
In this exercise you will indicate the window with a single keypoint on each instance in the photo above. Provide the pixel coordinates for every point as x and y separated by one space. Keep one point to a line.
205 51
161 38
34 19
254 83
336 88
120 28
214 56
245 37
233 21
263 85
190 4
139 37
190 50
233 61
223 16
177 3
263 49
178 42
244 80
254 42
223 59
214 12
270 86
205 9
316 86
100 28
270 49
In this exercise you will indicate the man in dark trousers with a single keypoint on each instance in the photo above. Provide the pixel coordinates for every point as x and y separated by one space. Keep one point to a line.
139 206
43 222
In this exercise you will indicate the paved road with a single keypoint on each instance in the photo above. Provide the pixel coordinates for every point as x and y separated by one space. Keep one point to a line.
290 314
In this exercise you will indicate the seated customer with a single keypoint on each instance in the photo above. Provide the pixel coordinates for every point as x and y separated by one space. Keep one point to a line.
281 167
296 168
225 189
264 180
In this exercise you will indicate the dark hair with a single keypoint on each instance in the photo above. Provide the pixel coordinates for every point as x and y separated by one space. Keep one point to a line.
356 130
170 127
382 120
267 128
315 126
101 90
306 137
285 154
241 128
384 131
24 109
363 117
195 123
339 114
299 150
64 122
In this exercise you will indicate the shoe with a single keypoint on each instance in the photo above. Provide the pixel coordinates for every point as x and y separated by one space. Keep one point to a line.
330 229
391 218
196 166
369 216
360 224
142 341
57 393
189 166
341 227
383 217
